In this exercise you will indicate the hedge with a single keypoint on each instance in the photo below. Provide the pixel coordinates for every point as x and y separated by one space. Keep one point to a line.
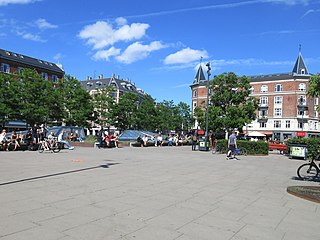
312 144
253 148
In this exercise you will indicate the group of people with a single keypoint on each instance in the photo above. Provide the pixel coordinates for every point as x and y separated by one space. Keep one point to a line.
31 138
159 140
14 140
106 140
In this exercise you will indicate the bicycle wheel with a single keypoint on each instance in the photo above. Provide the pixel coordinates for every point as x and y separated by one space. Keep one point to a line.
40 148
307 171
56 148
243 151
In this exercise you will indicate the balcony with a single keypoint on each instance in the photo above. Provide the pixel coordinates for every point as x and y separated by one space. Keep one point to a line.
262 118
263 106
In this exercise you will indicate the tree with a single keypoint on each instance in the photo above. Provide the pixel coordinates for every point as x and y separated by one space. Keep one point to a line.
124 114
230 105
314 87
78 106
103 103
184 112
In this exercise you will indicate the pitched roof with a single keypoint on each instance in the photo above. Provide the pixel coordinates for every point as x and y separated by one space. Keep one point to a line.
300 67
199 76
29 61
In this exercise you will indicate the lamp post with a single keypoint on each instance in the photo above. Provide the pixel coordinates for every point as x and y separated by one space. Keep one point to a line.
207 106
301 109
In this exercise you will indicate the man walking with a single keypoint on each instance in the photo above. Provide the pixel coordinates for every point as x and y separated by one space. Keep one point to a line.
232 145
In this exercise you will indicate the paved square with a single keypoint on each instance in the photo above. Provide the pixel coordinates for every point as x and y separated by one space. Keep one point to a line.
169 193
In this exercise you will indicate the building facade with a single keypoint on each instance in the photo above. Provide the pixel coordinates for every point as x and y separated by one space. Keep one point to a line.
285 110
12 62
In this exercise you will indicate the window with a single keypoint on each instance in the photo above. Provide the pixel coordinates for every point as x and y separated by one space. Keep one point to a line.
288 123
45 76
302 100
316 113
300 113
263 124
315 125
263 100
302 87
264 88
278 99
54 78
194 93
278 88
300 125
194 104
278 112
263 113
5 68
316 101
277 124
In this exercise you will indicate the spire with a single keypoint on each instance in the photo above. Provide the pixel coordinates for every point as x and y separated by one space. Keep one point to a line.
199 76
300 67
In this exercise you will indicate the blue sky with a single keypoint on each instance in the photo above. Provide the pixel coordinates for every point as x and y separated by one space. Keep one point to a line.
158 44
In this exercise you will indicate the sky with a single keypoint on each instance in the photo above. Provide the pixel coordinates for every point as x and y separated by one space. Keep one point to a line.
158 45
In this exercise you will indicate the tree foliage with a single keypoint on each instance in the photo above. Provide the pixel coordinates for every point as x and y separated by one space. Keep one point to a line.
230 105
314 87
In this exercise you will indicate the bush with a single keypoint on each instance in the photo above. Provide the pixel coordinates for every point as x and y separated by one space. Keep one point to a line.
90 139
311 143
253 148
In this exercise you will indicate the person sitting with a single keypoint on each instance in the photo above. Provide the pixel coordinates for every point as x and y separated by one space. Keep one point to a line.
51 139
4 140
159 140
140 141
61 139
145 140
29 139
14 140
115 139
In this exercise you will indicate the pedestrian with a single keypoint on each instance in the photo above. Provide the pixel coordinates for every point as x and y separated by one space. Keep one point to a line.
194 141
232 145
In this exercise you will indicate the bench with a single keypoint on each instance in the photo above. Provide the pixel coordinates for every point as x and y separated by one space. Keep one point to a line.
282 148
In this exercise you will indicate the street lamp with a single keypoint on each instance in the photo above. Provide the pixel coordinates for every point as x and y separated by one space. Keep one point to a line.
207 106
302 111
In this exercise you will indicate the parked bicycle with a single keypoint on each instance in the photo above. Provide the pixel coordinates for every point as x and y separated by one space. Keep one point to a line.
46 145
309 171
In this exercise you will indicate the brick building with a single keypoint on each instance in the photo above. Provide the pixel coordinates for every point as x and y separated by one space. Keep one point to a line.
12 62
284 111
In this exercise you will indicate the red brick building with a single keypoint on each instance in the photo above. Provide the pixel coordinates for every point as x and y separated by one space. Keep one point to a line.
284 111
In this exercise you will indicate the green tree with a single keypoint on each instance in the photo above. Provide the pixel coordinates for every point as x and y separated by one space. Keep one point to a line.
184 112
78 105
146 114
124 114
231 105
314 87
103 103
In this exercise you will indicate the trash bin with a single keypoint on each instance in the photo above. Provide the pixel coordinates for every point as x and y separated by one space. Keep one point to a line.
298 151
203 145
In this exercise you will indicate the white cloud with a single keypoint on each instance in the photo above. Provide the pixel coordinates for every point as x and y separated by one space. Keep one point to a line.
310 12
138 51
43 24
289 2
106 54
101 34
30 36
121 21
7 2
184 56
57 57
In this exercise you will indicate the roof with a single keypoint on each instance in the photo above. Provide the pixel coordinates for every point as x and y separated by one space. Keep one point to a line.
122 85
199 76
300 67
29 61
299 71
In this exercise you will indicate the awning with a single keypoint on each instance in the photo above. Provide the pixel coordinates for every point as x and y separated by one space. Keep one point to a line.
200 132
267 133
300 134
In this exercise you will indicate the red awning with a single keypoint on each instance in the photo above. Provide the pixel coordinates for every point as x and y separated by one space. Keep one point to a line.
200 132
267 133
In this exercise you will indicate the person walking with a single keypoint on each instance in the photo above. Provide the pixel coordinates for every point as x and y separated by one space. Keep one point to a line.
232 145
194 140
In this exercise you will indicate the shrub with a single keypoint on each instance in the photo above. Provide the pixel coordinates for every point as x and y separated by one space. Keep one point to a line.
253 148
312 145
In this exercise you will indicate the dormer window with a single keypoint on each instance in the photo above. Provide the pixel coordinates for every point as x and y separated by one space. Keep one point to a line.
303 71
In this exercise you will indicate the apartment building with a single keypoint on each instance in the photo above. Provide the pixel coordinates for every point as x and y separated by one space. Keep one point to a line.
285 110
12 62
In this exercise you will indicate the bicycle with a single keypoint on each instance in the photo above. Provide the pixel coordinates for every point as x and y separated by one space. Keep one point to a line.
309 171
54 147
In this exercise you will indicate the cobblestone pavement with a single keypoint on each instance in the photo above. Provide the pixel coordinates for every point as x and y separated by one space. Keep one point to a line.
169 193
